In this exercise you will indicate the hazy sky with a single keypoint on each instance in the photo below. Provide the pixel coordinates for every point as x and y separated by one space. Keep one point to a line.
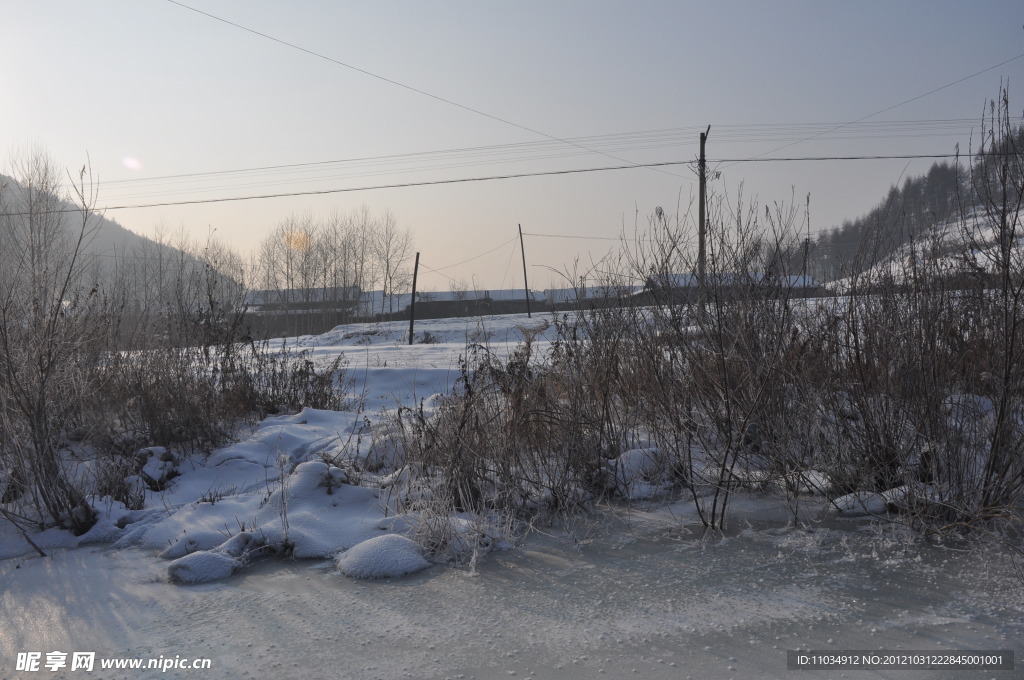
149 89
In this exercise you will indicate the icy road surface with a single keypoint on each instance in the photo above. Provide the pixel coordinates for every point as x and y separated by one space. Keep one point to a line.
647 603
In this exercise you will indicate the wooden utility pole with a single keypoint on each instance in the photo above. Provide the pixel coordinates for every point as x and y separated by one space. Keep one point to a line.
807 241
526 285
702 171
412 304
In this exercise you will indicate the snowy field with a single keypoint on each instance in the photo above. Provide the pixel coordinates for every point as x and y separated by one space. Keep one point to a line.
630 592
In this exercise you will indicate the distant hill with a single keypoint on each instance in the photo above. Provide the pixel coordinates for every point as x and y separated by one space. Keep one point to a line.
110 246
110 237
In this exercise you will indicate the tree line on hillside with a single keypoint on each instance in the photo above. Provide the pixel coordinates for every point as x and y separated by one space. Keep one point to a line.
916 206
305 276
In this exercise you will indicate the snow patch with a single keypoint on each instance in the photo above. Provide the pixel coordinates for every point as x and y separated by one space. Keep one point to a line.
860 504
388 556
202 567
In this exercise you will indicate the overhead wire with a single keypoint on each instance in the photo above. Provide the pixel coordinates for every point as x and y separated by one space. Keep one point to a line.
323 171
475 257
391 81
429 268
462 180
624 141
895 106
504 276
573 236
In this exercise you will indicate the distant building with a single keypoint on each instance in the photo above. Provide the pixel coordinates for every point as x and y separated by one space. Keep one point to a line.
339 298
555 296
686 286
730 279
471 295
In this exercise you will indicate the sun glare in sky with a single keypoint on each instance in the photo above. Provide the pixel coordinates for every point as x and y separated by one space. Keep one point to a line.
297 241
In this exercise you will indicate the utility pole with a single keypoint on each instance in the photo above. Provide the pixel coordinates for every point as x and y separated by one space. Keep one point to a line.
526 285
807 241
412 304
702 171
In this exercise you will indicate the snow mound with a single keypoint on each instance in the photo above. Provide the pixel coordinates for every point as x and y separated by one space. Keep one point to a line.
860 504
810 482
197 526
388 556
317 513
202 567
313 513
160 468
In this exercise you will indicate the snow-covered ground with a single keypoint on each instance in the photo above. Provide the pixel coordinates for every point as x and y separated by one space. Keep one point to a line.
631 593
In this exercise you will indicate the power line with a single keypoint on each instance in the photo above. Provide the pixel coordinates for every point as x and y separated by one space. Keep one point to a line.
439 273
587 238
879 157
395 82
281 175
894 106
632 239
938 89
278 182
508 264
320 192
401 185
470 259
463 180
623 141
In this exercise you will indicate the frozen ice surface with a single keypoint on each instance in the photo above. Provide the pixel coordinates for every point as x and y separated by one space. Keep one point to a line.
663 602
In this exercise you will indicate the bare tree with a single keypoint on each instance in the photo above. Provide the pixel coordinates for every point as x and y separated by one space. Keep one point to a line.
391 248
997 180
48 333
459 289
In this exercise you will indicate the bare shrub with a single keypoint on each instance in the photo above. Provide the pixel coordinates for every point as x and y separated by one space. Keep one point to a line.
100 361
510 439
50 333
